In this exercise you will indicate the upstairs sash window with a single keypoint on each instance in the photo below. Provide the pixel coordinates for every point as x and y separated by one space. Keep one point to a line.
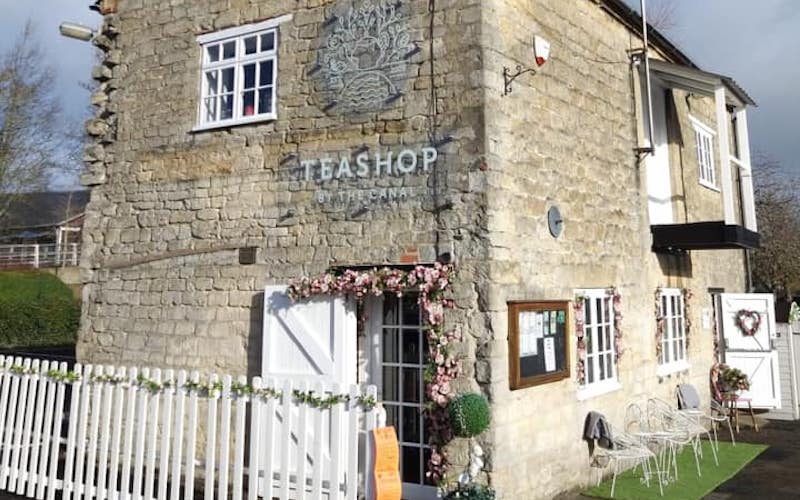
239 75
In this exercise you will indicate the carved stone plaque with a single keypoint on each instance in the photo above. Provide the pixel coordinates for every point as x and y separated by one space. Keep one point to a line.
363 59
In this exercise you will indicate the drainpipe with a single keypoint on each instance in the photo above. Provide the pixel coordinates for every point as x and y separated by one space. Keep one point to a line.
648 86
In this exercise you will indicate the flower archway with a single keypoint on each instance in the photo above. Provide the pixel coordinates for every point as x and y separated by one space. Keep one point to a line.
431 283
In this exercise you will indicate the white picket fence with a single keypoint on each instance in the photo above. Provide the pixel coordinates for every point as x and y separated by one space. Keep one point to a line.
115 433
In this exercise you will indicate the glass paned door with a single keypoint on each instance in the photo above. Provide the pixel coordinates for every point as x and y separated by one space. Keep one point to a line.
398 371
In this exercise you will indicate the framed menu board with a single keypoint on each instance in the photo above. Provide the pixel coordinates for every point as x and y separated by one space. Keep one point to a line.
538 346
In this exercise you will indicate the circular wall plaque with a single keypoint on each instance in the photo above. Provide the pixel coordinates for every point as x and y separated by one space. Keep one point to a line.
554 221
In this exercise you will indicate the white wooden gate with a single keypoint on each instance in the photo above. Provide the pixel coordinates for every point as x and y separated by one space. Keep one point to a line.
313 341
753 354
117 433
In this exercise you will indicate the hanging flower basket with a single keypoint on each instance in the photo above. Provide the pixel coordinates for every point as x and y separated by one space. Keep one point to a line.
748 322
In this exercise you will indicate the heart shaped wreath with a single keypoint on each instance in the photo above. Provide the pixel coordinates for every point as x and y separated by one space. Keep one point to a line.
746 317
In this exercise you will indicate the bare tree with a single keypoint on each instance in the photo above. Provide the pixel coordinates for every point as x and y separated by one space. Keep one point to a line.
34 143
662 15
776 265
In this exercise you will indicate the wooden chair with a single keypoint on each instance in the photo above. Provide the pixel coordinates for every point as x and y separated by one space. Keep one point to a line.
732 401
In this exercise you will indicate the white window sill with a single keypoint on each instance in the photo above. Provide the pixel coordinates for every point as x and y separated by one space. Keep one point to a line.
672 368
598 389
236 122
710 186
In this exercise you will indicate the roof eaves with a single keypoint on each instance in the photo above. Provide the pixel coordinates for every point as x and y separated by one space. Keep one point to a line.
633 21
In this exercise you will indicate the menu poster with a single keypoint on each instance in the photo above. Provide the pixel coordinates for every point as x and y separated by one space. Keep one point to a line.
550 354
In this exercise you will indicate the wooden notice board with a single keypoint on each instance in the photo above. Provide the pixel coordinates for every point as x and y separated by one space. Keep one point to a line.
538 342
388 485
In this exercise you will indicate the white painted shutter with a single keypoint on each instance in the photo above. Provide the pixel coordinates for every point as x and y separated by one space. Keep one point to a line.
753 355
312 341
659 184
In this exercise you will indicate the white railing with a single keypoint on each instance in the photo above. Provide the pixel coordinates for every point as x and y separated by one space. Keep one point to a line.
36 256
109 433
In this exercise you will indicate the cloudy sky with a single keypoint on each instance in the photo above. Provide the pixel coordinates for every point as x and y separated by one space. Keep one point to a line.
756 43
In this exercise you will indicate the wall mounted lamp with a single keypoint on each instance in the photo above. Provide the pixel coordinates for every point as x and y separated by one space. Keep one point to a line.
76 31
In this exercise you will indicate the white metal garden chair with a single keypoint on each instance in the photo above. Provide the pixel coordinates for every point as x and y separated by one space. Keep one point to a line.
682 430
717 414
627 451
664 442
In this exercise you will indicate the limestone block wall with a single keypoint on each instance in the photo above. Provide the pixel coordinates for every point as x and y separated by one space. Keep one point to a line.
565 137
171 207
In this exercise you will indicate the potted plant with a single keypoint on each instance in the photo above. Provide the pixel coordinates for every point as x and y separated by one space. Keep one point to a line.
732 379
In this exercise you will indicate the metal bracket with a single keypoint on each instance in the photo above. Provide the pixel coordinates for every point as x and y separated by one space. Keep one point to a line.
509 78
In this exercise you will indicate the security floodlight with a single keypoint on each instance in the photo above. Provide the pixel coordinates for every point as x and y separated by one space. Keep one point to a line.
76 31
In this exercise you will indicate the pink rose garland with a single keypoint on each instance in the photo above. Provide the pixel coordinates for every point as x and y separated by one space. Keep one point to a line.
430 282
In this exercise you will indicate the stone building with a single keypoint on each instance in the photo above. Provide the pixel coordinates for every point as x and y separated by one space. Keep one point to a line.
240 144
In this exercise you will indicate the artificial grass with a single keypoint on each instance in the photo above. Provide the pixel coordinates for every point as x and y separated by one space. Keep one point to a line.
731 460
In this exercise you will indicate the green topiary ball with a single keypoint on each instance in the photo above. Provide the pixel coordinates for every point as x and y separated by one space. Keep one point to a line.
469 415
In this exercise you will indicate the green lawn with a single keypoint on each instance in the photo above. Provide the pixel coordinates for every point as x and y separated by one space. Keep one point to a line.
689 487
36 310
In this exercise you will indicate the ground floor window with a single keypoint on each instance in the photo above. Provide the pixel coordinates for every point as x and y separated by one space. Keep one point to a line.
598 325
673 329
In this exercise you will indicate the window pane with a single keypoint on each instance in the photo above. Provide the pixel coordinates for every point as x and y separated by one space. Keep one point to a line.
249 76
250 45
226 107
227 80
210 109
411 430
609 365
392 416
212 52
601 344
391 308
589 370
265 103
267 72
426 458
601 368
249 103
229 50
411 385
412 465
410 311
391 384
267 42
212 82
411 347
391 346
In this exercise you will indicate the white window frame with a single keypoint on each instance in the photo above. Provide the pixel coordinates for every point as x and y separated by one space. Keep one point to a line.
704 147
238 62
593 324
673 340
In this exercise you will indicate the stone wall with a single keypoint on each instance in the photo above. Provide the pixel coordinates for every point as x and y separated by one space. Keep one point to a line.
171 207
566 137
